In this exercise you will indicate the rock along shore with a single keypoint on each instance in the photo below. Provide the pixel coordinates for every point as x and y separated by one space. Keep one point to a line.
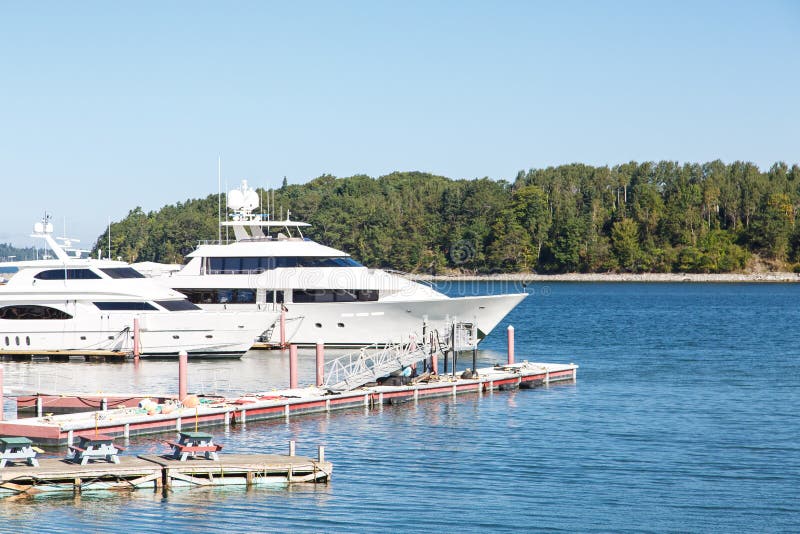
619 277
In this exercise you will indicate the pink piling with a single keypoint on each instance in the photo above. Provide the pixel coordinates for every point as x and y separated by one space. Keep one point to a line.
136 347
183 367
320 363
283 327
510 344
292 366
434 357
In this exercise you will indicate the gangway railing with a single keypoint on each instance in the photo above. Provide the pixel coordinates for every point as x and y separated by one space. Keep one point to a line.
370 363
375 361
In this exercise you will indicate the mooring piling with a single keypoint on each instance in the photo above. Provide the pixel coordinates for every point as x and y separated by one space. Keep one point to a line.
283 327
183 383
136 348
510 344
292 366
320 363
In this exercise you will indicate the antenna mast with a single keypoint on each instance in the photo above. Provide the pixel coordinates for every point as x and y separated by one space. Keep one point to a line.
219 197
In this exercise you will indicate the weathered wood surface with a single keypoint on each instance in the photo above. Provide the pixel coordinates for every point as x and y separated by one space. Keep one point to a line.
62 472
201 471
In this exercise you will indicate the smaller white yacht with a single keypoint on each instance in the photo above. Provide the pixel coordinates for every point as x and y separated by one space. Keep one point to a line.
68 303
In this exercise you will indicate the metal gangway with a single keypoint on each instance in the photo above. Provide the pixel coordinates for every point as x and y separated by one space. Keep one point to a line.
375 361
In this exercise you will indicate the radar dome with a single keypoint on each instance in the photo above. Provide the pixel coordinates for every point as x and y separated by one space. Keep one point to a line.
235 199
250 200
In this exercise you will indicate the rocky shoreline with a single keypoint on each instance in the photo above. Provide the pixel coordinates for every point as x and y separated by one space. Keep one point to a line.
778 277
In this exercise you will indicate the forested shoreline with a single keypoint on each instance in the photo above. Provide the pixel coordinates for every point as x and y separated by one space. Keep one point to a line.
9 252
631 218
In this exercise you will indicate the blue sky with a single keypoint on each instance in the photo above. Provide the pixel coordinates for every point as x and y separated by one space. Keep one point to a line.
108 106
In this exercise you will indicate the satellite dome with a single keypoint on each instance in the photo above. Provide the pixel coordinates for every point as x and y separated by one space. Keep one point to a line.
235 199
250 200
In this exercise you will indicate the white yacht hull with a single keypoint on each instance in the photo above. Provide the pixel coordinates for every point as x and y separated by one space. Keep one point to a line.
365 323
201 333
352 324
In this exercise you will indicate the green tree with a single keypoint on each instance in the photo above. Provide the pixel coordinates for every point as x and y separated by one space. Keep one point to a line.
625 242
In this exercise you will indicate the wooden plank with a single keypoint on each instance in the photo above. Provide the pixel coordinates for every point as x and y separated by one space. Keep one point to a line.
147 478
17 488
191 480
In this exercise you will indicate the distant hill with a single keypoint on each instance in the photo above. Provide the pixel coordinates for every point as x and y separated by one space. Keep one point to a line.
633 217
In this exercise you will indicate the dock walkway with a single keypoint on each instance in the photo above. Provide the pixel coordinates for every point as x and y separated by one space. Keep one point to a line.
162 472
126 422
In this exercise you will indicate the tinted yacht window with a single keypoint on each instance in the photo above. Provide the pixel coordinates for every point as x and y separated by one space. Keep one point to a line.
69 274
122 272
333 295
225 296
245 265
177 305
118 306
32 312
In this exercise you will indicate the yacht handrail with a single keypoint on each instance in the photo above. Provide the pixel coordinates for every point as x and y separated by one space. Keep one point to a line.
248 239
409 276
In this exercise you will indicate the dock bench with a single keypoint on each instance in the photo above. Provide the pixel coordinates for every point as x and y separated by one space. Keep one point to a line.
94 447
17 448
192 443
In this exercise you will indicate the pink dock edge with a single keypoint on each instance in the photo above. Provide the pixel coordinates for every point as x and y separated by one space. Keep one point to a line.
59 430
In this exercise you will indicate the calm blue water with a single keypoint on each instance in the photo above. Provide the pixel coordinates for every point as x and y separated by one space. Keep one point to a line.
684 418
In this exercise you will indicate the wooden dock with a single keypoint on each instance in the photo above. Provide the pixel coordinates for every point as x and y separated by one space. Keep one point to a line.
239 469
163 472
58 474
57 430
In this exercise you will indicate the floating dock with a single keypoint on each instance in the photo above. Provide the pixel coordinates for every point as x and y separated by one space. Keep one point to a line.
59 430
64 355
163 472
39 404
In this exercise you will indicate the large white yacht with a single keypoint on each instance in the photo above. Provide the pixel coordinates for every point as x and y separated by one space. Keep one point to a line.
80 304
327 295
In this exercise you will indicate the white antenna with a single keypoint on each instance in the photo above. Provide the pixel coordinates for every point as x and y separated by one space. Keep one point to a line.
219 197
109 237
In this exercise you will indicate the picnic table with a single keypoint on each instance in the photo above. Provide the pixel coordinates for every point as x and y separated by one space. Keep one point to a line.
94 447
191 443
12 449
